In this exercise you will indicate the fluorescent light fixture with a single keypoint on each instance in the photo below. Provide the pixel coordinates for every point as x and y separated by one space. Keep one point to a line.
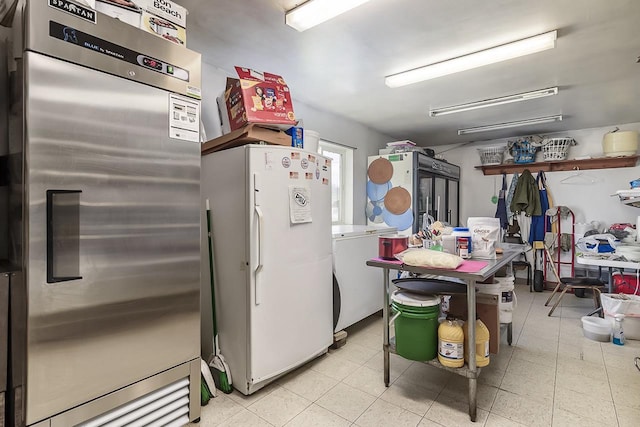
507 125
435 112
474 60
314 12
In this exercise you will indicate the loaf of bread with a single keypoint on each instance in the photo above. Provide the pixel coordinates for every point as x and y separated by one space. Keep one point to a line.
429 258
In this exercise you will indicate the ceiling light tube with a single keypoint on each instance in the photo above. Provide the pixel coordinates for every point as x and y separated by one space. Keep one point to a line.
474 60
507 125
435 112
314 12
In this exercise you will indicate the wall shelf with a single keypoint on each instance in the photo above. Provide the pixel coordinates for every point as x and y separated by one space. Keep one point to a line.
562 165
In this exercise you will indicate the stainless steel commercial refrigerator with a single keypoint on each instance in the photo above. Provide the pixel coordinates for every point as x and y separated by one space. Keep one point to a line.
103 222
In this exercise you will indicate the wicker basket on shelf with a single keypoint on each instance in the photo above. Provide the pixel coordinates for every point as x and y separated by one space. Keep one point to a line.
490 156
523 151
556 148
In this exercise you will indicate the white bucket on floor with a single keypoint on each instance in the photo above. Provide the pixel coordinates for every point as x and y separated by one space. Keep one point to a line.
503 287
596 329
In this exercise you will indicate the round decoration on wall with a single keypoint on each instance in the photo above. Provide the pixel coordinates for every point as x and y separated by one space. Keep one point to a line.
402 222
376 192
397 200
374 212
380 171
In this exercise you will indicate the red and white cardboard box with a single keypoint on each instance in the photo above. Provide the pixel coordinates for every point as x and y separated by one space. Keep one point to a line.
124 10
162 18
165 19
258 98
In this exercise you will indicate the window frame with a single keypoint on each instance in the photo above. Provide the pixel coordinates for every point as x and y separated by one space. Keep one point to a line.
345 207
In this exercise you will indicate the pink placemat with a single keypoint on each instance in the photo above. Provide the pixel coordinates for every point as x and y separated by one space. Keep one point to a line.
471 266
390 261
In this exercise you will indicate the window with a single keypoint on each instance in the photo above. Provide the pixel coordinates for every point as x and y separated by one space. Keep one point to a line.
341 181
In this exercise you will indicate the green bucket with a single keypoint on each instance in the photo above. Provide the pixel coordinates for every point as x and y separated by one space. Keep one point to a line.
416 325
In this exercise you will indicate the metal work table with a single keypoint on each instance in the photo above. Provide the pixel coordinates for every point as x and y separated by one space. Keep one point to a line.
470 370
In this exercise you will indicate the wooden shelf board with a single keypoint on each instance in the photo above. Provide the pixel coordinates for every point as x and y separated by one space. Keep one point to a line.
562 165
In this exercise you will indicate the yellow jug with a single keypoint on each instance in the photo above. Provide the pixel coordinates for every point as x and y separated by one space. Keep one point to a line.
451 343
482 343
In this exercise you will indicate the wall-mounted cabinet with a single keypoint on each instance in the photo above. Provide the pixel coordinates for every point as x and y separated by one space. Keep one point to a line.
562 165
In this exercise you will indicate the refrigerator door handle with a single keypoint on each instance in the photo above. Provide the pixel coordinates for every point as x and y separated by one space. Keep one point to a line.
260 250
63 235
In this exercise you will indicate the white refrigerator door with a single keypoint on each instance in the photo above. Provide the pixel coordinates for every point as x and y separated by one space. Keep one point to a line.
360 286
290 302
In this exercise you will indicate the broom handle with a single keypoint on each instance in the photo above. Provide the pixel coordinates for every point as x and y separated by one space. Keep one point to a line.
211 281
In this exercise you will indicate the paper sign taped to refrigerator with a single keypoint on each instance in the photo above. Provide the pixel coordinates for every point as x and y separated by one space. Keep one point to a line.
299 204
184 118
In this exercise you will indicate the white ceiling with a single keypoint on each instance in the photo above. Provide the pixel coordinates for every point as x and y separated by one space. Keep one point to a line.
340 65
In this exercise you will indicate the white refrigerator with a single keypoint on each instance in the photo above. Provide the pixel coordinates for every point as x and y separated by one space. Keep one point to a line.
271 230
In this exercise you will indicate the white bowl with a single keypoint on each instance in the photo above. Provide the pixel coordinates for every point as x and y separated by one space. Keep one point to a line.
596 329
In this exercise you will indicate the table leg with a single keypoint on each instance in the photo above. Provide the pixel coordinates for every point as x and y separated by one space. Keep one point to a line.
597 310
473 369
610 286
610 280
385 324
473 383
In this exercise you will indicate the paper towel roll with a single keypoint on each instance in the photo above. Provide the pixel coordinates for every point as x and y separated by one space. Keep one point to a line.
638 229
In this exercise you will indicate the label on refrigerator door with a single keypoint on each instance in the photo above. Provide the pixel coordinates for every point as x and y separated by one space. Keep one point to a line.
194 92
299 204
184 118
71 8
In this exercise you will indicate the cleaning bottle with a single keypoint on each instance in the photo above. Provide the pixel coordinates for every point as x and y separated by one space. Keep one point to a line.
482 343
618 334
451 343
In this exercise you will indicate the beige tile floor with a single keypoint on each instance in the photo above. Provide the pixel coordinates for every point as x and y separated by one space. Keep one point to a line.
552 376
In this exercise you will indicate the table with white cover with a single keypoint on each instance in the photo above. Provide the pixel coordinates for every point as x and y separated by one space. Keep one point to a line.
610 264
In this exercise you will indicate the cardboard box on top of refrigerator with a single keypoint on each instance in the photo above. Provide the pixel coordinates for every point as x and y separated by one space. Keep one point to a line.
165 19
162 18
124 10
256 98
90 3
250 134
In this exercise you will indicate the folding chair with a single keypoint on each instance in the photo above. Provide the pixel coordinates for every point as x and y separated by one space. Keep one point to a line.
571 283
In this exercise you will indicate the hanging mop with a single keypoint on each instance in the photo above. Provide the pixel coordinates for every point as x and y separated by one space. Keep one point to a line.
221 371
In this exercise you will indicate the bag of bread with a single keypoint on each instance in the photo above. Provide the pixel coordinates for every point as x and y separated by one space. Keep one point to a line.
419 257
485 235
